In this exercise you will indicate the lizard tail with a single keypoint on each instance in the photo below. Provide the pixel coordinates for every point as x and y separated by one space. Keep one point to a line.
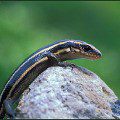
2 111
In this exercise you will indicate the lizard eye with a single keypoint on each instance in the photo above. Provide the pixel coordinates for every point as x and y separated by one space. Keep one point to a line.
86 48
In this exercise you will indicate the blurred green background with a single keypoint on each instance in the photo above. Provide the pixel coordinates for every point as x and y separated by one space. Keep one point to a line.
27 26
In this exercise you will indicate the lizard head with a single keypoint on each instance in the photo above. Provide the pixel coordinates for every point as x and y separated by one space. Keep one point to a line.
84 50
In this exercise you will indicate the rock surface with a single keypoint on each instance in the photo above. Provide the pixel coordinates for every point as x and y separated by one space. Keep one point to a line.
67 92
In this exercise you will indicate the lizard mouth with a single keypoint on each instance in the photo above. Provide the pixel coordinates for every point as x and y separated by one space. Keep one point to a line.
95 56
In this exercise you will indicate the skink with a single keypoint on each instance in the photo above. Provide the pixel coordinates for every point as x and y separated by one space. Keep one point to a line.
38 62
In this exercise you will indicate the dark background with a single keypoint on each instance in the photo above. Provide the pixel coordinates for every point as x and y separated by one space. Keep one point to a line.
27 26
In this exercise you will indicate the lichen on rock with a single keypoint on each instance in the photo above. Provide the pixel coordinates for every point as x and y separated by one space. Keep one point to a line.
66 93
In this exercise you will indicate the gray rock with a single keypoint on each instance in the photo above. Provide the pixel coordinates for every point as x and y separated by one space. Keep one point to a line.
67 92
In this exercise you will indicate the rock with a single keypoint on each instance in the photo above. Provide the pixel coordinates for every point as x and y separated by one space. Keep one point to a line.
67 93
116 109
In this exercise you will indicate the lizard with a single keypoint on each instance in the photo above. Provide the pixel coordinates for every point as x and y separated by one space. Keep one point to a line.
53 54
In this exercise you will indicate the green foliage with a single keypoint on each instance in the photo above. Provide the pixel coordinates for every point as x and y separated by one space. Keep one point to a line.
27 26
